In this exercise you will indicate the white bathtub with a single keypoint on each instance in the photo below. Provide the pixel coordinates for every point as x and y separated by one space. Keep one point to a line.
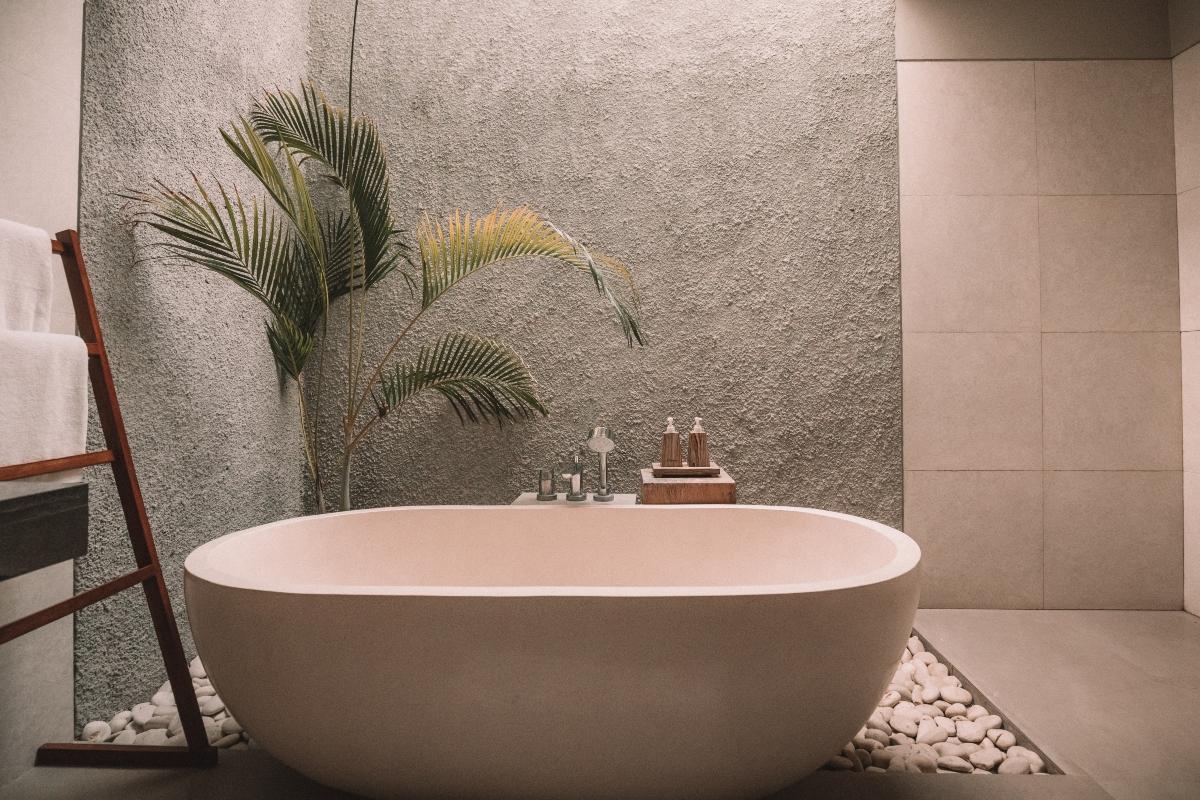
555 652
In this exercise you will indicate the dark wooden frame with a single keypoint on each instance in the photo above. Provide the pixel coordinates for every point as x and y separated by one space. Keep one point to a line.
149 574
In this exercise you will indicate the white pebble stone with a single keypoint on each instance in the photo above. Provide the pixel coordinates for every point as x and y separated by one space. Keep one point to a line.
120 720
925 658
968 731
205 691
872 734
96 731
945 724
986 759
165 711
915 646
975 712
213 732
176 725
899 739
889 699
1035 761
922 763
158 723
126 736
177 739
990 721
929 732
163 698
939 670
1013 766
904 724
211 705
228 740
954 764
155 737
196 668
955 710
142 713
956 694
1001 738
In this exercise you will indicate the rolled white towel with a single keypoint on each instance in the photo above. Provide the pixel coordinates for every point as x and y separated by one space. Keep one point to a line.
43 397
26 282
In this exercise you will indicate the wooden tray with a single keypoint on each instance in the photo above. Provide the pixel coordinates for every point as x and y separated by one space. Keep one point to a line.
711 471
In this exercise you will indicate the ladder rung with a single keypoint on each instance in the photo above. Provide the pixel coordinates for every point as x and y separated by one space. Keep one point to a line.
72 604
52 465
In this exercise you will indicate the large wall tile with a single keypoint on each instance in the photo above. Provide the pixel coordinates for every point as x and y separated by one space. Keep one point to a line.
980 535
1006 29
1111 401
1186 71
1189 259
1103 127
969 263
1190 349
1191 542
972 401
1109 263
966 128
1184 18
1114 539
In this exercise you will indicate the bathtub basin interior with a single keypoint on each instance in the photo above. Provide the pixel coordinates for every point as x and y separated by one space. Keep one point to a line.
708 652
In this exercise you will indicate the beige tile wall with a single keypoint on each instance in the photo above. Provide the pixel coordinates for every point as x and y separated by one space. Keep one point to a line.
1041 282
41 52
1186 69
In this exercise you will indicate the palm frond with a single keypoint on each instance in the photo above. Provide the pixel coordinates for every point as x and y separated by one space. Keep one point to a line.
483 380
291 194
248 243
464 245
352 152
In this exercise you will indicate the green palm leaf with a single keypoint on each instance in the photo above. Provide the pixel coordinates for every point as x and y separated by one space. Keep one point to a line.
464 245
351 151
251 245
483 380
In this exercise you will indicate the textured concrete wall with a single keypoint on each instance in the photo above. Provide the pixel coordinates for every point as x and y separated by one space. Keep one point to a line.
214 438
740 156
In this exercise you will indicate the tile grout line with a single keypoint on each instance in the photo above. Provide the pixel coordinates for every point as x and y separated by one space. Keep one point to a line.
1037 179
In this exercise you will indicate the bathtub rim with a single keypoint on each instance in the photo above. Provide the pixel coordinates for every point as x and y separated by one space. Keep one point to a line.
907 557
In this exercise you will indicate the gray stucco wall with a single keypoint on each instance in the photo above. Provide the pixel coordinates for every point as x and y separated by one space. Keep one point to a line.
740 156
214 439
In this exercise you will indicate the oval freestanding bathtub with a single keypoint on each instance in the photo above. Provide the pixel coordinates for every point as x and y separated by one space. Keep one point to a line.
497 652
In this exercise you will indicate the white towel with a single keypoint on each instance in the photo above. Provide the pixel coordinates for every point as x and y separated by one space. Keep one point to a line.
43 398
26 280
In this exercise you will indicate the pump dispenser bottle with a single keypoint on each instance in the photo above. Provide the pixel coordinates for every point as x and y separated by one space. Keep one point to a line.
672 452
697 446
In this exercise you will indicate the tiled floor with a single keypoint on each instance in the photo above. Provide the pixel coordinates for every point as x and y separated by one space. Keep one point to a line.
1113 694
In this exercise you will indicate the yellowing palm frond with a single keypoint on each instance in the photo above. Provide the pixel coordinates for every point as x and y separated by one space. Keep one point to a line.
462 245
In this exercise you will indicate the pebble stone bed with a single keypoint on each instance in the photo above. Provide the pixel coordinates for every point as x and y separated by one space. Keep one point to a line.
157 722
927 722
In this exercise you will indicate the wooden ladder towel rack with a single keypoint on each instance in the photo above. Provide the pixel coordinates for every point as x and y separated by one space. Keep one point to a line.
148 573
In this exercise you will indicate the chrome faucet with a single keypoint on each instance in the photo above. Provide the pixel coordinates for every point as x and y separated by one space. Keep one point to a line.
600 441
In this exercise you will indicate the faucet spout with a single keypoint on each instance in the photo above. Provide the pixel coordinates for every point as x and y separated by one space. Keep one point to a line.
600 441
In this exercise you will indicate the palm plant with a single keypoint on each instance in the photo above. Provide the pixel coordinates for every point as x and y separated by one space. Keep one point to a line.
298 259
